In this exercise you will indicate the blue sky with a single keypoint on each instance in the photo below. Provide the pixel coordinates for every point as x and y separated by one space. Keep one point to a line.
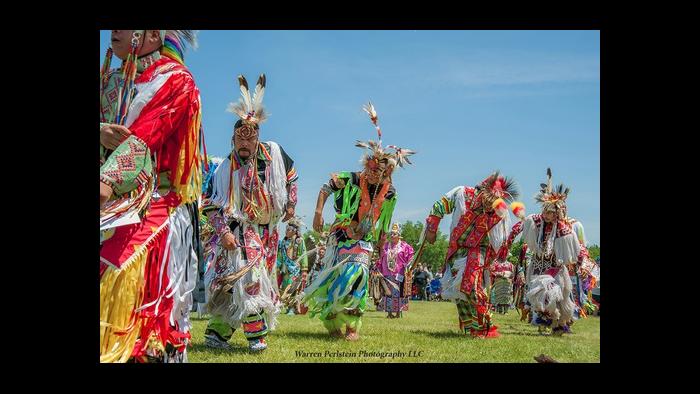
469 102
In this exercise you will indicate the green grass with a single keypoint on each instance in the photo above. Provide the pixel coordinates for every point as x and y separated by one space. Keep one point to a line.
428 327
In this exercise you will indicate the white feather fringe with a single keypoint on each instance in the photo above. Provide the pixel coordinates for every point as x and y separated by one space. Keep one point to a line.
567 248
457 195
552 295
276 186
451 283
544 294
277 183
241 302
182 269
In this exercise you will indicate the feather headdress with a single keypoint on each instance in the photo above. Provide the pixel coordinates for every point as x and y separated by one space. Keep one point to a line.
518 209
296 221
376 151
552 199
250 109
497 186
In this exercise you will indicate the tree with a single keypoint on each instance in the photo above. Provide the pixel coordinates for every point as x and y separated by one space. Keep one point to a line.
515 250
410 232
433 255
594 252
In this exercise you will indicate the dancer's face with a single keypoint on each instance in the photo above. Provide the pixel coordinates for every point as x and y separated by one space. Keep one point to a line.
291 232
488 200
395 238
321 251
377 171
245 146
549 216
121 42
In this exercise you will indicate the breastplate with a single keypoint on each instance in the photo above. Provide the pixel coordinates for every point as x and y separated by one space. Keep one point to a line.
542 263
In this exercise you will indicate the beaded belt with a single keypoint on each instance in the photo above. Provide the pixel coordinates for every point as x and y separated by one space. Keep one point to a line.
354 254
362 258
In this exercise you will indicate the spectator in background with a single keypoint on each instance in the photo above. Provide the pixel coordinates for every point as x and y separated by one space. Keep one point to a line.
422 278
436 287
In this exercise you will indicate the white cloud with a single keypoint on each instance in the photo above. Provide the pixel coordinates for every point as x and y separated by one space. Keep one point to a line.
507 68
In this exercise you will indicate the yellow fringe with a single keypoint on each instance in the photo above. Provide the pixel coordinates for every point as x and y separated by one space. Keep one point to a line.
121 292
192 188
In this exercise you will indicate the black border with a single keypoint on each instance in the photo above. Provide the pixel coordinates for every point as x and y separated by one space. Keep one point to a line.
80 285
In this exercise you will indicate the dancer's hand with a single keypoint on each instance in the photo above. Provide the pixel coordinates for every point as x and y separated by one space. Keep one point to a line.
318 222
112 135
430 236
105 193
228 241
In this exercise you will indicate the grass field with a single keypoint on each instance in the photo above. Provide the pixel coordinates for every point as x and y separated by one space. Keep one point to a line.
428 332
